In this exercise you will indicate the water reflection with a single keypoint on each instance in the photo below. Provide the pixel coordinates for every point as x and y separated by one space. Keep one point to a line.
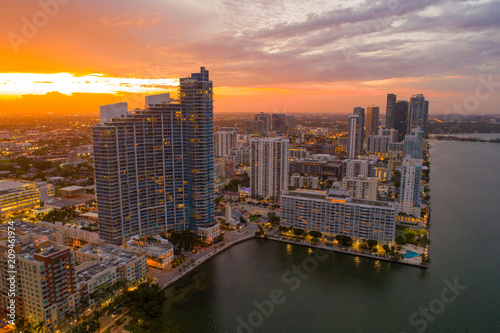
289 253
357 261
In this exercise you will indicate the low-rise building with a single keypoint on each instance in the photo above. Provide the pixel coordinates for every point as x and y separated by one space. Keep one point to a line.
18 195
159 252
92 276
244 192
129 265
71 191
210 232
381 172
28 228
76 235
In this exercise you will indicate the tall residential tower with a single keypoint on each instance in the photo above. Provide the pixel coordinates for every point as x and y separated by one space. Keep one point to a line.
154 168
418 114
269 167
372 119
401 118
389 111
354 137
409 198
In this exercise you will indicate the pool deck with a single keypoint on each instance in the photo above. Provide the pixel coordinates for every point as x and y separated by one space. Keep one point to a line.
412 248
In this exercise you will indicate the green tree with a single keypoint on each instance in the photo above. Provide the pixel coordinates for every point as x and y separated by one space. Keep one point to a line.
39 327
298 232
218 200
273 218
401 240
371 243
396 179
20 324
284 229
315 234
146 303
344 240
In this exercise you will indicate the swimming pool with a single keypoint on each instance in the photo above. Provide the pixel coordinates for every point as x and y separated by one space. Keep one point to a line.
410 254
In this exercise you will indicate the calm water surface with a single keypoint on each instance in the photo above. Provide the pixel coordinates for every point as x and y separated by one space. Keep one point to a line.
351 294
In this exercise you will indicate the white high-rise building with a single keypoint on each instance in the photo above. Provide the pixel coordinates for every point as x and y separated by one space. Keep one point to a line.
224 141
409 196
354 137
361 187
335 212
269 167
154 168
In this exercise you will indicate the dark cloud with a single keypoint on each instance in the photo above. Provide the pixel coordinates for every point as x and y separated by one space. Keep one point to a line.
376 41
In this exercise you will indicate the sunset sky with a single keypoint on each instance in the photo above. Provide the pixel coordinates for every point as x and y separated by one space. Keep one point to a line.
69 56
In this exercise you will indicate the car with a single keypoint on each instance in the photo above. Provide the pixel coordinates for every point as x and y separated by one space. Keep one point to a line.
113 315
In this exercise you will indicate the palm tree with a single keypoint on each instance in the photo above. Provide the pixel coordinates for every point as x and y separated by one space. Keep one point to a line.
29 327
94 325
40 327
69 315
20 324
82 306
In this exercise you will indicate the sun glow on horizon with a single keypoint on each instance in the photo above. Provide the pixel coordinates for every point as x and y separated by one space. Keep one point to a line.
14 85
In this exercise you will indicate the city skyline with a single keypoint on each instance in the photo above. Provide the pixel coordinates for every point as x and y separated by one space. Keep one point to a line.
235 166
294 57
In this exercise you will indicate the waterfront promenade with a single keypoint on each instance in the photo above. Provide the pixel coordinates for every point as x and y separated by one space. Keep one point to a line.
416 262
167 277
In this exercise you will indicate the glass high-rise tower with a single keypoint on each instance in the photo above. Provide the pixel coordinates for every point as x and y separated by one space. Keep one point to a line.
154 167
359 111
196 97
389 111
401 118
418 114
372 120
